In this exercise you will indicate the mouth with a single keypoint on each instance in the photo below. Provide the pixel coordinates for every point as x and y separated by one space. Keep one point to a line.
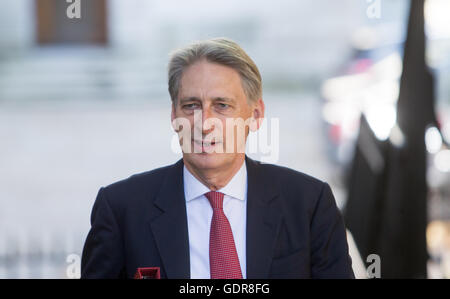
205 146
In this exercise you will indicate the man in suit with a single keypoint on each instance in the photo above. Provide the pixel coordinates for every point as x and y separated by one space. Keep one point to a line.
216 213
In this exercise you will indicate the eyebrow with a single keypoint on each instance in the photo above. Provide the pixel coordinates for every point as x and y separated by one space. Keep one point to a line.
189 99
216 99
224 99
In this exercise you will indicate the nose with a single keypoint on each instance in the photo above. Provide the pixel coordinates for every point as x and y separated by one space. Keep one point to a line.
207 114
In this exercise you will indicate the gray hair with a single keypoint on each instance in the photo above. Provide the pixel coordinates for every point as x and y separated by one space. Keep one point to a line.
218 50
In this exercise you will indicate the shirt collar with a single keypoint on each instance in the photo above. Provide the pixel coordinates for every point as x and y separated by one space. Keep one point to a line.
236 187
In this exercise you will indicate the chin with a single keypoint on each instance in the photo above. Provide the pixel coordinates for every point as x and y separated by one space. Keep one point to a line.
207 161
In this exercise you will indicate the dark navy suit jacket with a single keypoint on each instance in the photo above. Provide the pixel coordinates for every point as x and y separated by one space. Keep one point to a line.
294 229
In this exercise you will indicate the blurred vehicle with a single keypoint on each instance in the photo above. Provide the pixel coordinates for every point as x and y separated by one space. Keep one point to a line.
368 84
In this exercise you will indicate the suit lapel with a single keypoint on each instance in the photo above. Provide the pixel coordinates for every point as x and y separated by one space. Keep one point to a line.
263 220
168 223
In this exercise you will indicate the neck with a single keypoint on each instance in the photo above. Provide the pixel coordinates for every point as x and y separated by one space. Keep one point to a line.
215 179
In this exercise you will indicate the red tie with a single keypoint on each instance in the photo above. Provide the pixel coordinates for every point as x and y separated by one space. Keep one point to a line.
223 258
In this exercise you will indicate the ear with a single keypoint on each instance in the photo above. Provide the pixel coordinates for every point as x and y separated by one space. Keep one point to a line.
173 115
257 115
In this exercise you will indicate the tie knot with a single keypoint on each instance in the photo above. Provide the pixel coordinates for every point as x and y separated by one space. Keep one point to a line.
215 199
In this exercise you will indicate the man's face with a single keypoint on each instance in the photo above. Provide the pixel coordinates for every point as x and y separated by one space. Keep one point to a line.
216 92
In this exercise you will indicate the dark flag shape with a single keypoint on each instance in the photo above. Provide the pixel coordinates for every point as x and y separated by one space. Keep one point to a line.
386 209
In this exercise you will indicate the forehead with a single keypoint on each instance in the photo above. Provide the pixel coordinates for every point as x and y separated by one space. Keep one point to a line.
207 78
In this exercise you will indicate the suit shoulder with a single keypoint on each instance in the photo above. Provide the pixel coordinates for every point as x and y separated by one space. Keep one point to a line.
136 186
291 176
299 190
143 177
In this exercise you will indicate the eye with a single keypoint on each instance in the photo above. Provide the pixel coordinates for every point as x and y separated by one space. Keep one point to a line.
223 105
190 106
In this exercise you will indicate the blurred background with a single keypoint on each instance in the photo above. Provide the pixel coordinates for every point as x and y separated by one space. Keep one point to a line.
84 103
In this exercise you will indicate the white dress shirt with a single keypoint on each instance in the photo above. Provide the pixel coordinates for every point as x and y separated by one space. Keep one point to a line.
199 215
